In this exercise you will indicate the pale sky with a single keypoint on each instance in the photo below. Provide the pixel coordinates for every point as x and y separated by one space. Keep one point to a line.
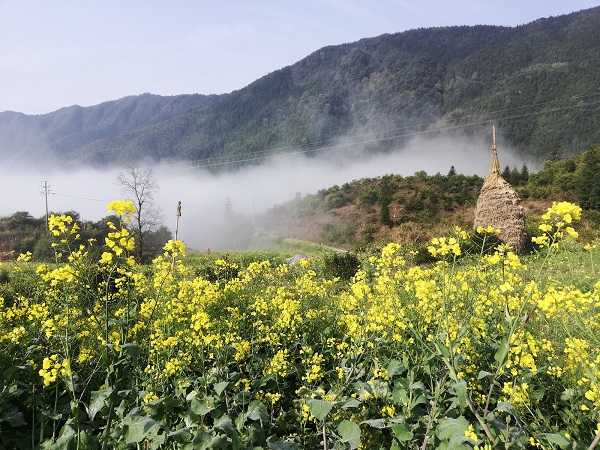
65 52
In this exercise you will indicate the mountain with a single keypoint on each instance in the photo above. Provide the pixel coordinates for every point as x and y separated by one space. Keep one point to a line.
538 83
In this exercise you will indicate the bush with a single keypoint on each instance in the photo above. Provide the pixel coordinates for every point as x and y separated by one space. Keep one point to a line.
341 265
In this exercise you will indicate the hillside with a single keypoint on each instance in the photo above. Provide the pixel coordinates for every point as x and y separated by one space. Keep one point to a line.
537 82
414 209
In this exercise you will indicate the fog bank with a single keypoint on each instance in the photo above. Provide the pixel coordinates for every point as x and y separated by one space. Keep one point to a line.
251 190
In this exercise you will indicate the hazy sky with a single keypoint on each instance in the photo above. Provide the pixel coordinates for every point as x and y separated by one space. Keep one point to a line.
65 52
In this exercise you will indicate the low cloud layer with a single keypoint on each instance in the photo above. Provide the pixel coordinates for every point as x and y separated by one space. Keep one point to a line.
251 190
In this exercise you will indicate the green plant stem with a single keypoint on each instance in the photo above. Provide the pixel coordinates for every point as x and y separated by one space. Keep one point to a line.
595 441
33 416
429 425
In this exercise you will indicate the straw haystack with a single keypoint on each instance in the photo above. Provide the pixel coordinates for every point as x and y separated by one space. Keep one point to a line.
499 205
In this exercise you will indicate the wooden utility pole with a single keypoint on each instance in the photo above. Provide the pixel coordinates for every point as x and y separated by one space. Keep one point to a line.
178 215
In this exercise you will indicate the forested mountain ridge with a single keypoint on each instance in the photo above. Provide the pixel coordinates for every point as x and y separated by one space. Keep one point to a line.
539 83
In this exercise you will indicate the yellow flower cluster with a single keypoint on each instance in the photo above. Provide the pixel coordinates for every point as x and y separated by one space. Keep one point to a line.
444 246
557 222
122 208
52 367
294 328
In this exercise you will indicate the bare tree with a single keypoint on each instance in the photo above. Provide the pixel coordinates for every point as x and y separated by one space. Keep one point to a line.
140 185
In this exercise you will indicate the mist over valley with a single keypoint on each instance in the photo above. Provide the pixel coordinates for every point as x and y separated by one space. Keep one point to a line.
251 190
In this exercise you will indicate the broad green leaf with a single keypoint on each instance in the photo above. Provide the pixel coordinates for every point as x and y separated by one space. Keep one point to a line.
13 417
455 443
400 392
449 427
319 408
284 446
351 403
257 411
67 437
461 393
220 387
224 424
502 351
395 368
538 394
133 350
181 436
484 374
201 407
402 433
375 423
97 401
138 427
350 433
442 349
557 439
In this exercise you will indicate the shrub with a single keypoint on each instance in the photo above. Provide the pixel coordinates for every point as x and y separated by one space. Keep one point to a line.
341 265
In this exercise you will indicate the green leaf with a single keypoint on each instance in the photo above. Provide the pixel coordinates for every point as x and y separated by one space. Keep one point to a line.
484 374
97 401
201 407
557 439
220 387
133 350
181 436
350 433
67 437
442 349
224 424
351 403
284 446
402 433
375 423
461 393
538 394
257 411
395 368
319 408
14 417
447 428
502 351
400 392
138 428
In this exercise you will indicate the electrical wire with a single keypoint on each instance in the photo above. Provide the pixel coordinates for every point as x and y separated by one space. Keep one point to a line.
277 152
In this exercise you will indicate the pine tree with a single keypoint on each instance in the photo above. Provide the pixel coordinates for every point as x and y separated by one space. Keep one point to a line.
524 173
588 180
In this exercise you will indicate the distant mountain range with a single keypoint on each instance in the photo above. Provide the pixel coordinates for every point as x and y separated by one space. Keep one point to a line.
538 83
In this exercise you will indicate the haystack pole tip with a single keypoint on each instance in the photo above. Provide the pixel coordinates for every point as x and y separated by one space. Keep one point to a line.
495 167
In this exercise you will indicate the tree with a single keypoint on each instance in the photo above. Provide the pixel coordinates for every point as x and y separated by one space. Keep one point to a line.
384 199
140 185
524 173
588 180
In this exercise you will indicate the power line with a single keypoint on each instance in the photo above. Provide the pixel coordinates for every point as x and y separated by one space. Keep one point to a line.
83 197
301 148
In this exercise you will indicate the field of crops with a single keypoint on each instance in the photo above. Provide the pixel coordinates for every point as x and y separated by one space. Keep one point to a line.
479 350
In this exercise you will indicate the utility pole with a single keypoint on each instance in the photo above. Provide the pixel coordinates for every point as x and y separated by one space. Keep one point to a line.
178 215
46 191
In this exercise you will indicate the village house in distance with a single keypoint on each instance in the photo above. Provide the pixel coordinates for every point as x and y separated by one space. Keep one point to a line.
499 205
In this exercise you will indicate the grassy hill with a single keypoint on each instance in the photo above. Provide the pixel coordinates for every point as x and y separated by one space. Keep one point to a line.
414 209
